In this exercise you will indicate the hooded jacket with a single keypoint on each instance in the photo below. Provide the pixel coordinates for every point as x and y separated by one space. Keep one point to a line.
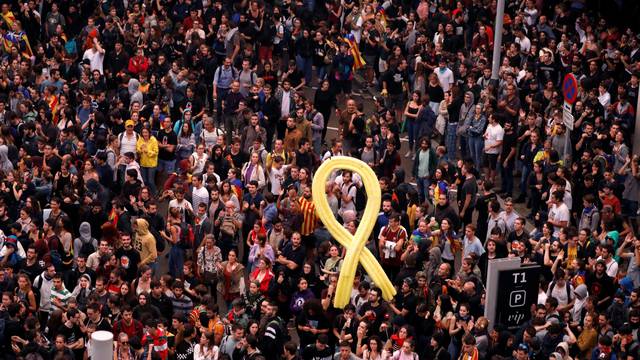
134 93
467 110
145 243
5 163
84 238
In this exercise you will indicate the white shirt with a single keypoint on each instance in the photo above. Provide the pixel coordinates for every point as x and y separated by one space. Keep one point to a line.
96 59
509 219
199 196
525 44
128 143
198 353
612 267
445 77
211 138
276 177
559 213
493 135
284 106
183 206
531 17
350 190
604 99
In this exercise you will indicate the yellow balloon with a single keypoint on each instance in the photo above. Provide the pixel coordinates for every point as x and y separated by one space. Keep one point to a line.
356 252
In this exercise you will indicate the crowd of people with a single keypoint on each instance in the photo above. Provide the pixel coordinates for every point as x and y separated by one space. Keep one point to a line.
156 162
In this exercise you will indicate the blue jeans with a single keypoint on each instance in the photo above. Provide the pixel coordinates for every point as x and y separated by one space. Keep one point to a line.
321 71
423 187
149 177
176 260
221 95
166 165
524 179
317 144
476 149
450 141
411 128
306 66
506 176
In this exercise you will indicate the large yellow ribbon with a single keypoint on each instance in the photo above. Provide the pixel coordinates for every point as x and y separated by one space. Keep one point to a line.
356 252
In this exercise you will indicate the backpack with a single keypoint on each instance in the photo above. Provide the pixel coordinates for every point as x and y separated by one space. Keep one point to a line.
160 242
70 47
35 287
360 200
55 253
87 248
187 237
121 136
568 289
234 73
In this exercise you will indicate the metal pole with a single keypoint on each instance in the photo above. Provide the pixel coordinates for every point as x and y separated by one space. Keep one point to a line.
497 40
565 157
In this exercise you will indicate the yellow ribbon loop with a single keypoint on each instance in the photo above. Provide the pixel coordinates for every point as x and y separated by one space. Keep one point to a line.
356 252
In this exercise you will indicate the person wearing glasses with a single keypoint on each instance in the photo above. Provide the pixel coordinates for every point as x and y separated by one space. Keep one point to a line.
122 350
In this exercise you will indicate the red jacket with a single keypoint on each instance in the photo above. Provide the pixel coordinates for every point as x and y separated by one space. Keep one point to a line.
264 283
138 64
133 330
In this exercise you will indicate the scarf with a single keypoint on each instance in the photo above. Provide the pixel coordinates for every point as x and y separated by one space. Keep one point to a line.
472 356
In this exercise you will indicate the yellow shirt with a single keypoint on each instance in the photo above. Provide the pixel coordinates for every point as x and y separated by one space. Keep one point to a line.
148 156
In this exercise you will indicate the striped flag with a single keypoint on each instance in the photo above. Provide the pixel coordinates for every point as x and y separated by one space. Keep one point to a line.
9 18
20 41
52 101
383 18
358 61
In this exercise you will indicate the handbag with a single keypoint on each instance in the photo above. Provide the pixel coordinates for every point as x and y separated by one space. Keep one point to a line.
228 227
462 130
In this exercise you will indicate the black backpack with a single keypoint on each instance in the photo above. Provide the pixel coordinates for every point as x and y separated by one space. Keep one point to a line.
567 286
87 248
160 242
360 200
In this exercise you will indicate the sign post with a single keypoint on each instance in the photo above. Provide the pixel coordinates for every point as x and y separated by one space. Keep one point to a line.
570 92
511 290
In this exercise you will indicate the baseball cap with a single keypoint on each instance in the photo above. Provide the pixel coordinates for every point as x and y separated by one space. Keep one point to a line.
129 123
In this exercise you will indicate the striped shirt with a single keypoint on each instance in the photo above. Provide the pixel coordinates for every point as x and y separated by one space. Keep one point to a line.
62 294
308 210
183 305
198 196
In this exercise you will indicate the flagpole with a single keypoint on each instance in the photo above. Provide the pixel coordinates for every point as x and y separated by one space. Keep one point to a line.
497 40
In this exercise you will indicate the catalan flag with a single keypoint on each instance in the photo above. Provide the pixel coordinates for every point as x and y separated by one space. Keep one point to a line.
52 101
358 61
9 18
383 17
440 188
18 39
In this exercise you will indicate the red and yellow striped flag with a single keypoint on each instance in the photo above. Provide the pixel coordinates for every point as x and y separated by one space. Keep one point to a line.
358 61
